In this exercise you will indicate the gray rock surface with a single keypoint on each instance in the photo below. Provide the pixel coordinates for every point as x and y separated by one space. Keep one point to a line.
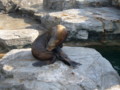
10 39
96 23
95 73
1 6
82 34
92 3
88 19
67 4
59 4
12 5
116 3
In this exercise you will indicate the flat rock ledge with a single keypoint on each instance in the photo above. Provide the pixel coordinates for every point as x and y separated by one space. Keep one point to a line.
95 73
86 20
11 39
67 4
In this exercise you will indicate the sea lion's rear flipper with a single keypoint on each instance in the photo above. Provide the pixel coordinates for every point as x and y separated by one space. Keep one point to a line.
42 63
69 62
63 57
74 64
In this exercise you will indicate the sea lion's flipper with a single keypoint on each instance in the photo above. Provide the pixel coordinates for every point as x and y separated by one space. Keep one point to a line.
74 64
63 57
39 64
42 63
69 62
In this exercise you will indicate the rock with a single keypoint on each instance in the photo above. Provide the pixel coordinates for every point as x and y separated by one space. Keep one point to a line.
82 34
10 39
92 3
89 19
95 73
12 5
1 6
116 3
67 4
9 6
58 4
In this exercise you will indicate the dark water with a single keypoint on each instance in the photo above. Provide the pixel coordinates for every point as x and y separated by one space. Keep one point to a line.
111 53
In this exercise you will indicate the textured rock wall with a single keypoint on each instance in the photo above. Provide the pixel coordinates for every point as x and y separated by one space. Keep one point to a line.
67 4
1 6
59 4
12 5
116 3
82 22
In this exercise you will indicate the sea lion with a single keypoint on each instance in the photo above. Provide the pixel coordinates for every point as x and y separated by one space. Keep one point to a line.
47 47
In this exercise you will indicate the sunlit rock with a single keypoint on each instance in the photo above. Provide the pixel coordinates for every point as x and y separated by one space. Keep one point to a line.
10 39
13 5
7 68
82 34
95 73
98 20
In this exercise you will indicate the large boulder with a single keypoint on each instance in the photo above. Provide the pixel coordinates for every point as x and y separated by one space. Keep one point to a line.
95 73
67 4
101 20
10 39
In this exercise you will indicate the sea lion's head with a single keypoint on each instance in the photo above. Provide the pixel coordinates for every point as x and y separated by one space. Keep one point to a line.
58 35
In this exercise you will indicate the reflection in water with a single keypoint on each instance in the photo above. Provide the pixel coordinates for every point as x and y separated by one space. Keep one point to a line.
15 21
111 53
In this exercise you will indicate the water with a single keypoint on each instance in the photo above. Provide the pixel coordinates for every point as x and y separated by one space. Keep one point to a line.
111 53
